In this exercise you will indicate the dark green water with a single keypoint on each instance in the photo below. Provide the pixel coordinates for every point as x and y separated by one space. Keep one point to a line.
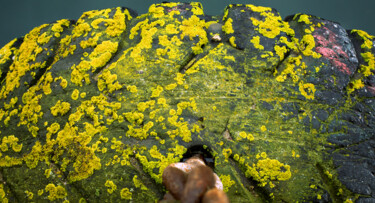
18 17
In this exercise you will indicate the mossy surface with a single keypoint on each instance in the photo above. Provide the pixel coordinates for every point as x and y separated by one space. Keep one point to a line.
95 109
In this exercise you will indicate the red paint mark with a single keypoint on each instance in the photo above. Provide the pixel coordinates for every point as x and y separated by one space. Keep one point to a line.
341 66
340 51
321 40
328 47
334 59
326 52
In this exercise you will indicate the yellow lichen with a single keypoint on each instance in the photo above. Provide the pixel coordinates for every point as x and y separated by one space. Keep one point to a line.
60 108
227 27
244 135
43 38
147 33
47 172
117 26
10 141
102 53
171 86
29 195
307 90
107 82
267 170
156 11
256 43
232 41
258 9
227 182
111 186
75 94
194 27
369 58
81 29
125 194
159 161
280 51
307 46
272 25
26 54
3 194
91 42
6 51
227 152
263 128
197 8
157 91
304 18
132 88
57 27
138 183
55 192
